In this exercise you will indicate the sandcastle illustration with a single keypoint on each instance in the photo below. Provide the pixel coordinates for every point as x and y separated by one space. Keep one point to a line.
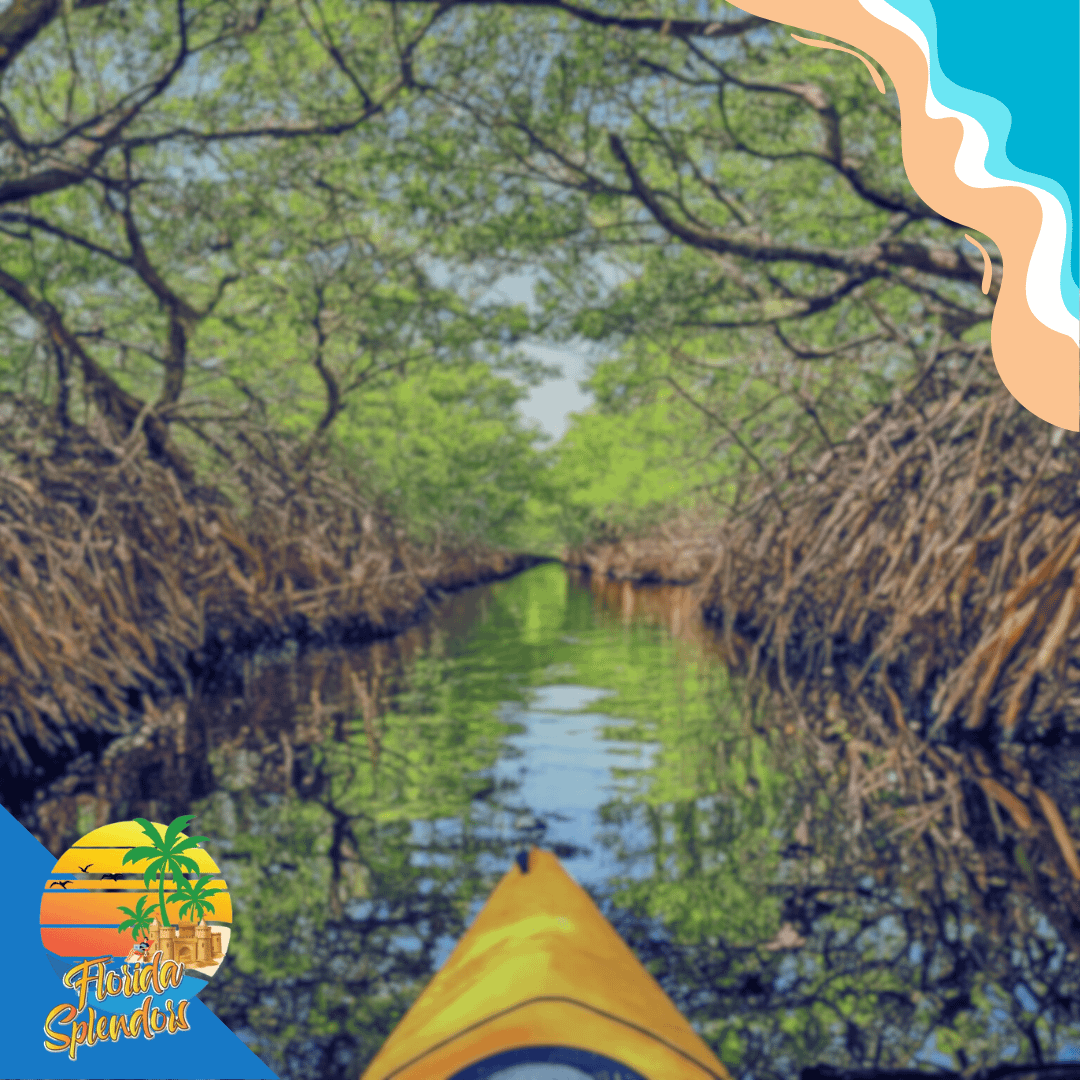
194 944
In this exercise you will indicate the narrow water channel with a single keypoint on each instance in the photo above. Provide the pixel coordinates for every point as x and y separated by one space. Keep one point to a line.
364 802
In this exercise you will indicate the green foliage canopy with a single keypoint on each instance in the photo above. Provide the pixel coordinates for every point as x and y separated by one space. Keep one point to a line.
252 213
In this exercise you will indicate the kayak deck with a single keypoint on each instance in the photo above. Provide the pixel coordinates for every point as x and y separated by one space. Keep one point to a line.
541 975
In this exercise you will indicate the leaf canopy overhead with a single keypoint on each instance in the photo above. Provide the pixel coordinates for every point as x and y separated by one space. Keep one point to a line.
260 212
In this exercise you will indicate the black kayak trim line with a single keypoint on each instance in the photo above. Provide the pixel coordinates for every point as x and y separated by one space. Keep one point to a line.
595 1066
555 999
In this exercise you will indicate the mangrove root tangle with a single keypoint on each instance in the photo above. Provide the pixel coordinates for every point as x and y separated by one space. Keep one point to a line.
118 580
913 596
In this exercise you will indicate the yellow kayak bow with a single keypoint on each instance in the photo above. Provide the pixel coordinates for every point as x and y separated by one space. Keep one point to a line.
542 976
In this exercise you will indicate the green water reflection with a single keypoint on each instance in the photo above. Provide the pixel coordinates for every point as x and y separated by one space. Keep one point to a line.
364 803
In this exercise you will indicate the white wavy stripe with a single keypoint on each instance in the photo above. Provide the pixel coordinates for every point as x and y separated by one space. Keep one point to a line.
1043 285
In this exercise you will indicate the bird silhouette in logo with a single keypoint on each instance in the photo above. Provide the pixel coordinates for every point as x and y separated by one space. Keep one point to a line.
62 884
86 868
113 877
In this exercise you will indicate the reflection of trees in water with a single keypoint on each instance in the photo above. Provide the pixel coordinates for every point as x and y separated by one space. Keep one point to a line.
795 931
961 726
341 900
791 934
316 995
876 981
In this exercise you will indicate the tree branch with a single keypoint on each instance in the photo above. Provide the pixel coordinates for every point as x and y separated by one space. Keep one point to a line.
23 20
833 154
732 433
117 405
870 262
333 391
681 28
59 177
31 221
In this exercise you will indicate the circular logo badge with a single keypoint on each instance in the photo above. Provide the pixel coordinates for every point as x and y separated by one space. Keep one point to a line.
135 919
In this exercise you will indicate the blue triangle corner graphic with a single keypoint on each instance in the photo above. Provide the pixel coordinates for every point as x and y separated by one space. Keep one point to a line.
31 989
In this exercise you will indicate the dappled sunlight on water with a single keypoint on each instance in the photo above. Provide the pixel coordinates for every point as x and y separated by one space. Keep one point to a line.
365 802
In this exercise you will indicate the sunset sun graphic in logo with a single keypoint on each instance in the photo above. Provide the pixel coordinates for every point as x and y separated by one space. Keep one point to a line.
135 919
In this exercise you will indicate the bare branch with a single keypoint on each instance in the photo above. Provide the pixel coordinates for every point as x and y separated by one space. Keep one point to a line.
326 40
680 28
333 391
822 354
33 222
717 419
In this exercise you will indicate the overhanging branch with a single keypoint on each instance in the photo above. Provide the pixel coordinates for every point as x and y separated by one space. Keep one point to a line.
682 28
872 261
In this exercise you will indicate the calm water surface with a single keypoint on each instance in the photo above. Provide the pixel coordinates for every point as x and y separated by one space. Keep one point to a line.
365 802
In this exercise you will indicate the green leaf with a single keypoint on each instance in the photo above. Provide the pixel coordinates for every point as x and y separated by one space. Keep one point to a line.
138 854
190 842
175 826
151 831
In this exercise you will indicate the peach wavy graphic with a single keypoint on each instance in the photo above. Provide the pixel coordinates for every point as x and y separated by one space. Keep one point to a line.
988 267
1035 339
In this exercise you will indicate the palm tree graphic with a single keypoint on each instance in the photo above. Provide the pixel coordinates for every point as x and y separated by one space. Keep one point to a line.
165 856
195 895
138 921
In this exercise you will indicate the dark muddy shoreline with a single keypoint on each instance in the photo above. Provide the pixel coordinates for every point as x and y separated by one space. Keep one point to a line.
159 760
